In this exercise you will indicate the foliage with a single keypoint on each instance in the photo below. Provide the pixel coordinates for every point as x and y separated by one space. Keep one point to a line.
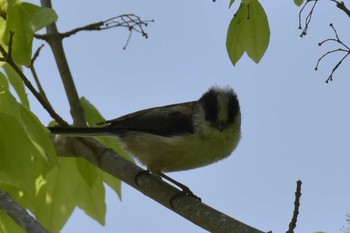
249 31
50 187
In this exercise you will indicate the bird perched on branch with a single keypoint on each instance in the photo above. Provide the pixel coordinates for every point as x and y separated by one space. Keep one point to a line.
176 137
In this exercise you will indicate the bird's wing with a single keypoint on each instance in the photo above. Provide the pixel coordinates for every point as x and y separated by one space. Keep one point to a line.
168 120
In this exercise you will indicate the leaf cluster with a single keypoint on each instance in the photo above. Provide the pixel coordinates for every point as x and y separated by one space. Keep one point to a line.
48 186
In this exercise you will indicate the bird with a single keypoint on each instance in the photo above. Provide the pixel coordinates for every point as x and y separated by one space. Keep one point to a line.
175 137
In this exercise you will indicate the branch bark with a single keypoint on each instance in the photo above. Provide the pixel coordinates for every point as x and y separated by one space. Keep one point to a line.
55 41
19 215
152 186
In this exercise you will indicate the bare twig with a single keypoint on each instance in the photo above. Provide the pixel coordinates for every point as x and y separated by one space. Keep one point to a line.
35 75
344 49
8 59
293 222
340 5
19 215
36 54
307 18
130 21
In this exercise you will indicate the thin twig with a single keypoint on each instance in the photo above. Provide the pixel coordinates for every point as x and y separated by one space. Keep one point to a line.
130 21
35 75
8 59
36 54
293 222
345 49
308 17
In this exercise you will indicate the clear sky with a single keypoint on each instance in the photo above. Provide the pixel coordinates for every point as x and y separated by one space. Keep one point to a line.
295 126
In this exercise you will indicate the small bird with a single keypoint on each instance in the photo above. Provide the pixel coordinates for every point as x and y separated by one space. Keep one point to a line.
176 137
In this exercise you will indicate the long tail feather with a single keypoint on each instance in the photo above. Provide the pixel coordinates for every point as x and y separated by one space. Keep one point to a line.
82 131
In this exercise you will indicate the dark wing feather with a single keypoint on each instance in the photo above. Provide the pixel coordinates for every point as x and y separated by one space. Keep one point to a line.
168 120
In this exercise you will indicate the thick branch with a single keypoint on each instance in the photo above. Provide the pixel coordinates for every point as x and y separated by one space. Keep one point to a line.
150 185
19 215
55 41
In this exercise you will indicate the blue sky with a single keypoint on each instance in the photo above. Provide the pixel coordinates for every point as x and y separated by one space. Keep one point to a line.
294 126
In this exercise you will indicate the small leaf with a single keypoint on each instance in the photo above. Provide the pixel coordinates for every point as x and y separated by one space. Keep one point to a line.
248 32
298 2
64 189
93 116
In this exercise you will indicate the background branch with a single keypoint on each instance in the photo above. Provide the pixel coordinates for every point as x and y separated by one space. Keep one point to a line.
19 215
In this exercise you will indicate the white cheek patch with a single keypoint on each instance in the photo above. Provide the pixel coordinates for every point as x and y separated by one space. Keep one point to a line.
223 107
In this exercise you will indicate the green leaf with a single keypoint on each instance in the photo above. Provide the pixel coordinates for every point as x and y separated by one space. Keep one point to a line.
298 2
24 143
17 84
93 116
24 19
93 200
248 32
63 189
16 155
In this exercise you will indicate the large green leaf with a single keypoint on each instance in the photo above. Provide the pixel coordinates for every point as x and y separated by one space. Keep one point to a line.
93 116
65 188
93 199
24 143
24 19
16 154
248 32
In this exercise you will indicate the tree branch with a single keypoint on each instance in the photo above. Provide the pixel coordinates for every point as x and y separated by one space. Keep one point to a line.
43 101
35 75
55 41
342 7
293 222
19 215
345 49
150 185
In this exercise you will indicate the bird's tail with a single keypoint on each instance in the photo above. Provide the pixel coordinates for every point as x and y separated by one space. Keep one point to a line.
82 131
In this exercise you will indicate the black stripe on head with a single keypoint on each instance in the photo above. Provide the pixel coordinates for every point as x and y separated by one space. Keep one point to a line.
233 106
209 101
210 104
